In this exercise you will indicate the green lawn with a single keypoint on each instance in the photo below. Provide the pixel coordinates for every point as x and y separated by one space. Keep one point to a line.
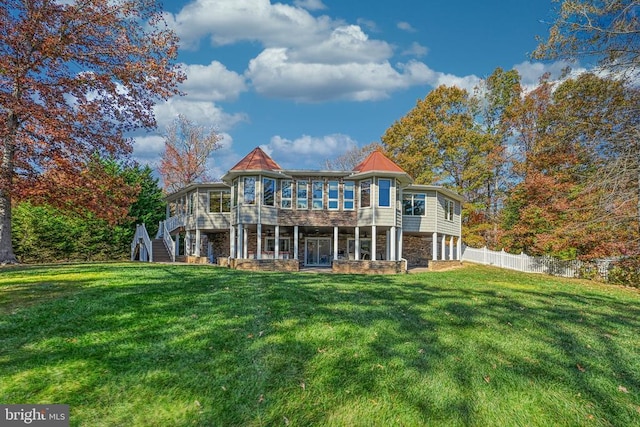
164 345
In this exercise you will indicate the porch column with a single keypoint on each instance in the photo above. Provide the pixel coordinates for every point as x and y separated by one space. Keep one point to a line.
400 236
451 248
387 246
276 253
187 244
356 256
240 245
177 244
335 243
232 242
259 241
374 245
459 249
444 248
434 247
245 243
198 243
295 242
392 243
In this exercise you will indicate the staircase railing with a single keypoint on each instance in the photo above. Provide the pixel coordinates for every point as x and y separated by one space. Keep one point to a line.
142 242
168 241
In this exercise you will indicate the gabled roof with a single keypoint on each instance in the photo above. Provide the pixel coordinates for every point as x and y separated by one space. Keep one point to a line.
378 162
256 160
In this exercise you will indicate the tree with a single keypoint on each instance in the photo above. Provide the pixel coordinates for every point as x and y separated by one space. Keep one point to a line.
187 146
74 78
440 141
607 30
351 158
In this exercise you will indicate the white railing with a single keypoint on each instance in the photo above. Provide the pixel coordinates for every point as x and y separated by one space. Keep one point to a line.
142 242
536 264
168 241
175 222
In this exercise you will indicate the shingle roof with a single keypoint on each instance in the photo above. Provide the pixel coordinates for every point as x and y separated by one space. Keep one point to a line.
376 161
256 160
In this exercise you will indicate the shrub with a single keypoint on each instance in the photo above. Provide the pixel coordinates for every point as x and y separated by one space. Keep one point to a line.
626 272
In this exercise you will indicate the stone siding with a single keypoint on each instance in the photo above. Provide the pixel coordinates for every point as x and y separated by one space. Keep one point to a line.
265 264
368 267
417 250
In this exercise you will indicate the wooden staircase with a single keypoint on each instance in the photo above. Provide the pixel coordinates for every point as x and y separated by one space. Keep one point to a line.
160 253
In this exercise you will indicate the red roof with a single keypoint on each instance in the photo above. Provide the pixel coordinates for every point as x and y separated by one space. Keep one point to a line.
256 160
376 161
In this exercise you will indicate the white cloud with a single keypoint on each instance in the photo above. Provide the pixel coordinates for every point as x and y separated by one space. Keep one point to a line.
405 26
417 50
531 72
201 112
310 4
307 151
213 82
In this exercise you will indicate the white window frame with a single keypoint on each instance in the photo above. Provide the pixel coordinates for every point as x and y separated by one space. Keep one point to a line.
351 199
380 193
273 191
315 199
244 190
361 188
286 199
219 195
335 200
272 240
413 204
449 210
302 203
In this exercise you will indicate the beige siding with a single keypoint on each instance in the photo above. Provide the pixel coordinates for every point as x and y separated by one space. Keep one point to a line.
447 226
385 216
219 221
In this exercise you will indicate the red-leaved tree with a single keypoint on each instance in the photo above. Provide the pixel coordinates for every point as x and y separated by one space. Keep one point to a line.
75 77
187 146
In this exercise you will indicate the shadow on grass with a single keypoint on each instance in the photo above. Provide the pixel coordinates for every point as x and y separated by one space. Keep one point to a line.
196 345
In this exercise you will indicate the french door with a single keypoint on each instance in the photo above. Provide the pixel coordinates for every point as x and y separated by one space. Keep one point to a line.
317 251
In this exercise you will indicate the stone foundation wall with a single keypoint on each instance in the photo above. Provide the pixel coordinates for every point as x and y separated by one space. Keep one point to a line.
417 250
265 264
196 259
368 267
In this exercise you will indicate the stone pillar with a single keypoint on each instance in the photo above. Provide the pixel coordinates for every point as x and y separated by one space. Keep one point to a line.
356 256
295 242
259 241
434 247
276 253
335 243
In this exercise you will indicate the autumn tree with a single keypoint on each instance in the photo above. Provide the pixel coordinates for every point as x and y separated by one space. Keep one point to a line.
440 141
606 30
351 158
187 147
75 77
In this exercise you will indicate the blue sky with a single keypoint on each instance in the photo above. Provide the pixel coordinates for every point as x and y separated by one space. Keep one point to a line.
308 79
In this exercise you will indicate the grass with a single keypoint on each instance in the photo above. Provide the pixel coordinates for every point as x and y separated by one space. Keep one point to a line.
168 345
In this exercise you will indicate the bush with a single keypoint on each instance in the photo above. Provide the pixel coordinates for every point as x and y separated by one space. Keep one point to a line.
626 272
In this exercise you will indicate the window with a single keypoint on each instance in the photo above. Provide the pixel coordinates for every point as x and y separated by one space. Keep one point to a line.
286 196
333 195
268 192
270 244
235 192
250 191
219 201
191 204
449 209
384 192
317 194
348 195
413 204
365 194
303 203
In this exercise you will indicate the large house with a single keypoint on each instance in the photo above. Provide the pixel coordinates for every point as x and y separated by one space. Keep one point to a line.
371 219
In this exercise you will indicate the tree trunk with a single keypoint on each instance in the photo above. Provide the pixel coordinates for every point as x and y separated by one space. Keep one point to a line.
6 186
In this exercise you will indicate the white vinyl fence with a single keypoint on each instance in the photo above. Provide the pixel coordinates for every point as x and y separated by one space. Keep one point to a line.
537 264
